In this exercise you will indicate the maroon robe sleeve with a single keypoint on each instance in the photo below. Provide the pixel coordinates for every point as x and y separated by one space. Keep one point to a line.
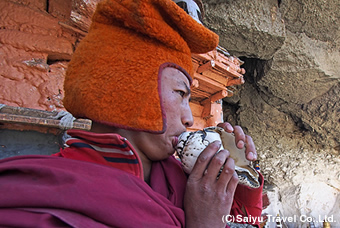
44 190
251 200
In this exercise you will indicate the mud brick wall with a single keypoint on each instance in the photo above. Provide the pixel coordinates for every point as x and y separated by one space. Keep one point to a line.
34 51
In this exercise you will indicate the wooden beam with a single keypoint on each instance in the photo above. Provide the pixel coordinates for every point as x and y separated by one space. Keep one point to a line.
44 122
209 81
216 115
206 66
219 95
206 113
27 116
217 76
237 81
196 109
229 69
207 103
195 83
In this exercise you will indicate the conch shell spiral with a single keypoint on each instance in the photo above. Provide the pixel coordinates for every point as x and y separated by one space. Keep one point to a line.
191 144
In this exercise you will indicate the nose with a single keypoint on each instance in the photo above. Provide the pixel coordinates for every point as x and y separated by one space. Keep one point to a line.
187 118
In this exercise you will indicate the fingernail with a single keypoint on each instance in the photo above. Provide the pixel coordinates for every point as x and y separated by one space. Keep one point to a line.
252 156
240 144
217 143
230 128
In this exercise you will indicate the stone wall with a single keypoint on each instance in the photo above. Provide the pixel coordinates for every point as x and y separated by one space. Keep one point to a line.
290 102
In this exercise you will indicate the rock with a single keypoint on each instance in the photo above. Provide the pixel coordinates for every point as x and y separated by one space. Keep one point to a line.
301 70
247 28
319 20
290 101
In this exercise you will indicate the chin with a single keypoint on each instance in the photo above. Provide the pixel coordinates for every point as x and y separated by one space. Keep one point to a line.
168 155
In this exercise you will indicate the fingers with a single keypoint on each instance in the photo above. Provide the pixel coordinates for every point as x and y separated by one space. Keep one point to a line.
203 160
228 178
216 165
251 154
210 163
207 198
226 126
241 140
240 137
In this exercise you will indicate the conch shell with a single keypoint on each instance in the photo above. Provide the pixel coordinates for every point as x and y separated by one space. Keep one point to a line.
191 144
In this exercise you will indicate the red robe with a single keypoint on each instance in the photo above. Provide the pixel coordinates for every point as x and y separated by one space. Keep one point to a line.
100 185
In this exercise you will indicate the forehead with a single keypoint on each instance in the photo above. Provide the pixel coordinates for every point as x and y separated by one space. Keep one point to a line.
171 75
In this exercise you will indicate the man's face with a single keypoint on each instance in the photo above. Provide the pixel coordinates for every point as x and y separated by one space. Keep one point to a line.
175 95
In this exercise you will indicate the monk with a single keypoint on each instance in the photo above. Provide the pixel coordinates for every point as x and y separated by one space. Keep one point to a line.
131 75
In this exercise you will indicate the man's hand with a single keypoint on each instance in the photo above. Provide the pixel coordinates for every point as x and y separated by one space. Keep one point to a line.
207 198
241 140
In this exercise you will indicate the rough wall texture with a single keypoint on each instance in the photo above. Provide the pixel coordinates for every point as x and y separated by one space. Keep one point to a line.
34 51
290 102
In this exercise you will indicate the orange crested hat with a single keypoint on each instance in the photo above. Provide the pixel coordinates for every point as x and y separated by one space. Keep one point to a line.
113 76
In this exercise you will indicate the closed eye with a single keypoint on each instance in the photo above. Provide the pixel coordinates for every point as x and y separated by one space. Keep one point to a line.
183 94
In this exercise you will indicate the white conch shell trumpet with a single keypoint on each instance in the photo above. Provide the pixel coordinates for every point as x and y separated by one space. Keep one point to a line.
191 144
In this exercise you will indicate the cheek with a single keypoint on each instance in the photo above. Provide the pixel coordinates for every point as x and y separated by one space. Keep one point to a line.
170 103
158 148
172 110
